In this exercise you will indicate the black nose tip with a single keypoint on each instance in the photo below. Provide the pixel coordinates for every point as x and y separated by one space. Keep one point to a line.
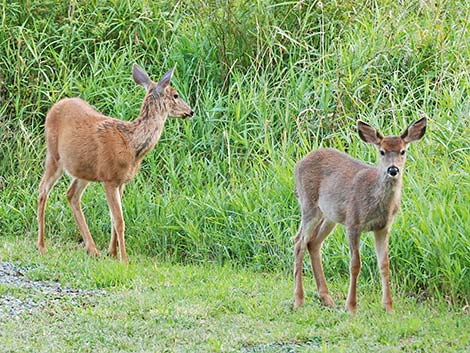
191 113
393 171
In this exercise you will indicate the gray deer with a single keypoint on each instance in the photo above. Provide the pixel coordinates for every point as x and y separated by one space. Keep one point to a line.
334 188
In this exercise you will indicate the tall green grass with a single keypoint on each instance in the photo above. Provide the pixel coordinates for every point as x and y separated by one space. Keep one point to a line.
269 82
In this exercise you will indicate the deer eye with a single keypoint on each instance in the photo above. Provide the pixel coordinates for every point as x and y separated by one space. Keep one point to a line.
175 96
402 152
382 152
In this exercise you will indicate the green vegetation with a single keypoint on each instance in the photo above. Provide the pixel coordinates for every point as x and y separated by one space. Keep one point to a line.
156 307
269 82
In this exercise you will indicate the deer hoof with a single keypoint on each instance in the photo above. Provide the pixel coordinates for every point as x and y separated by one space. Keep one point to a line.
326 300
113 253
352 309
298 302
93 252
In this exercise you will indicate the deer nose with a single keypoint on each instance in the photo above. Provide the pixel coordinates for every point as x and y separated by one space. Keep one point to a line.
190 114
393 171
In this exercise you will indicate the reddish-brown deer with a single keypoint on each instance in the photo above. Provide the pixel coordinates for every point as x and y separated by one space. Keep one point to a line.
91 146
335 188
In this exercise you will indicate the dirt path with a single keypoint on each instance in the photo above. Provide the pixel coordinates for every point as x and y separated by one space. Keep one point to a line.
21 295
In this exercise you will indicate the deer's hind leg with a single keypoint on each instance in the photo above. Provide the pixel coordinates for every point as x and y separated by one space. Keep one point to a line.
381 249
74 195
322 230
52 173
354 268
311 218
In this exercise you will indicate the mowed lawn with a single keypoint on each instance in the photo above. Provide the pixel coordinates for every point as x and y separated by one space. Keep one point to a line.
161 307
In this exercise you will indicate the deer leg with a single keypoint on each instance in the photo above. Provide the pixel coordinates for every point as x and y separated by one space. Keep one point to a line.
115 208
381 249
354 269
314 249
113 243
52 173
74 195
299 251
301 240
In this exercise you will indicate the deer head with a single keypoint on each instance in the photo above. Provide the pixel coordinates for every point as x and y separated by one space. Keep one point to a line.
392 149
163 92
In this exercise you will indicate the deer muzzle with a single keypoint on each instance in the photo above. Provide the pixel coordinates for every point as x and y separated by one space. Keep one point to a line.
393 171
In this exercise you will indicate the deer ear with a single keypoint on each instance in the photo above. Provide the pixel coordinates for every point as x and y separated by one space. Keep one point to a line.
368 133
415 131
165 81
140 76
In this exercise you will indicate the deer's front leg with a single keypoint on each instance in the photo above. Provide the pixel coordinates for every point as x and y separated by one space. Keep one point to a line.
381 249
114 202
113 243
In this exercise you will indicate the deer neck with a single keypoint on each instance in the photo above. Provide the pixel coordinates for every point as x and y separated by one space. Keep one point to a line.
387 190
148 126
